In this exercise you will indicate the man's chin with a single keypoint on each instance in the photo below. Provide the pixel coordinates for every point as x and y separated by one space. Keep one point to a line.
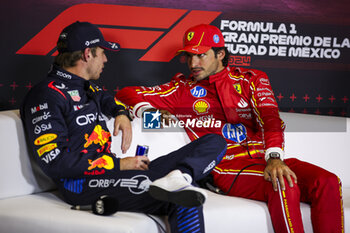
199 78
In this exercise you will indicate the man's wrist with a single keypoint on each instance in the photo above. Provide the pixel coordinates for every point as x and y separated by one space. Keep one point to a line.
140 108
274 153
124 112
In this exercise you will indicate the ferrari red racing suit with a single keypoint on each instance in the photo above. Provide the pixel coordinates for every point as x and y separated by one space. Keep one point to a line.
239 104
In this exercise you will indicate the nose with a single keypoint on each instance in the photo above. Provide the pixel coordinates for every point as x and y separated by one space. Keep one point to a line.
105 58
193 61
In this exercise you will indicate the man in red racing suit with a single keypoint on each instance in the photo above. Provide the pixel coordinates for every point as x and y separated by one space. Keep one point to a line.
239 104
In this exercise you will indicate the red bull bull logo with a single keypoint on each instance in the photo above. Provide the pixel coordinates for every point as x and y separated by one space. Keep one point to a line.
98 136
103 162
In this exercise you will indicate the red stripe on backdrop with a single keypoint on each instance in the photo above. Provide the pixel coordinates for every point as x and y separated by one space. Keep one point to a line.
101 14
131 39
167 47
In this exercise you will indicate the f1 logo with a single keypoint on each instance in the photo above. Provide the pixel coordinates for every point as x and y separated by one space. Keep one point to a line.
131 26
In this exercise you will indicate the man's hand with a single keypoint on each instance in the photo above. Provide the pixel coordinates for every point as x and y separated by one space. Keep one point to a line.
123 123
166 117
275 170
134 163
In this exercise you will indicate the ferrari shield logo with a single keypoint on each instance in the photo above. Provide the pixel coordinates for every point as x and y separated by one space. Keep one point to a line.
190 36
238 88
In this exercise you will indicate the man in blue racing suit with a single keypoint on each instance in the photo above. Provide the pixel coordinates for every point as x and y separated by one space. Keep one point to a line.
64 119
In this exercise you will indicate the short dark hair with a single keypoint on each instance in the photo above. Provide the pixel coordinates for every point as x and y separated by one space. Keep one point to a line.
227 55
69 59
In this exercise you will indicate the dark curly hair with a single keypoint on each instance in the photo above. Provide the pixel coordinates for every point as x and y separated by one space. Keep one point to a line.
227 55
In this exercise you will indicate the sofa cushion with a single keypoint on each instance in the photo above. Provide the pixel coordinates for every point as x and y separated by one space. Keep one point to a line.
19 174
46 212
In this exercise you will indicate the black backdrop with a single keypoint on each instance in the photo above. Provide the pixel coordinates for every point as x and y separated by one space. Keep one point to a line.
302 45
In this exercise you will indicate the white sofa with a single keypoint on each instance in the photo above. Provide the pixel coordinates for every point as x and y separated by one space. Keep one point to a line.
30 203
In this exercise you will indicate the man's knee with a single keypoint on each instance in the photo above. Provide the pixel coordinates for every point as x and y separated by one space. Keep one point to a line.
291 193
215 139
328 181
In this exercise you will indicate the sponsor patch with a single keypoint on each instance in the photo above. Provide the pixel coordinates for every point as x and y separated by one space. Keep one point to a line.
103 162
89 118
198 92
210 166
42 128
51 155
190 36
45 116
73 185
78 107
264 81
91 42
201 107
234 132
216 38
98 136
246 116
238 88
74 95
39 108
242 103
42 150
136 185
46 138
63 74
61 86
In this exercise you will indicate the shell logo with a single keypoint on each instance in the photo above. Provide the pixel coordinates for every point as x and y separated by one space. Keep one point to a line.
201 107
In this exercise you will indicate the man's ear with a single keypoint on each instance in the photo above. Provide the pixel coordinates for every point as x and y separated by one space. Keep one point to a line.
86 54
221 54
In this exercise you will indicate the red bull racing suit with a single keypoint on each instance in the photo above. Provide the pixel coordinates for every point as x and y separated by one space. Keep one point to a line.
239 105
63 118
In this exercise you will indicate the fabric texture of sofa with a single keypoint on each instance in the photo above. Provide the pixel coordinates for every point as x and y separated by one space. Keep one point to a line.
29 201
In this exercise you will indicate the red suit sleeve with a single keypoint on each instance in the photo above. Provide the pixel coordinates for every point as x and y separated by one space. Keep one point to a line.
140 98
266 112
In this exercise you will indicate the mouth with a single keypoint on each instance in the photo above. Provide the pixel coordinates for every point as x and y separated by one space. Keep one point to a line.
196 71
